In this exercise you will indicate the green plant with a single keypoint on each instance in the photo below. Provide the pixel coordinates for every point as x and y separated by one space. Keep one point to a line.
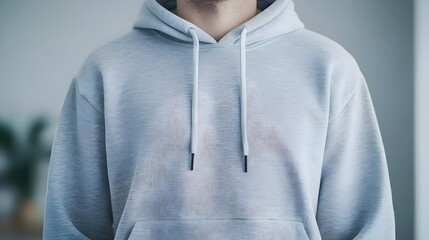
23 156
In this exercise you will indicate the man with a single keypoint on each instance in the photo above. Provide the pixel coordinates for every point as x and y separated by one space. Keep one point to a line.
219 120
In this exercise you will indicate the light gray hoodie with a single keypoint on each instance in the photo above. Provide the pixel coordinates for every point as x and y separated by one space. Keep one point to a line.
269 133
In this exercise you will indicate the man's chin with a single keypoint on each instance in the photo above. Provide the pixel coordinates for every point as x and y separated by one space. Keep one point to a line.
206 5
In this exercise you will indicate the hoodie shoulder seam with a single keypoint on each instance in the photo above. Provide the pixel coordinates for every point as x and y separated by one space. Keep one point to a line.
353 93
86 98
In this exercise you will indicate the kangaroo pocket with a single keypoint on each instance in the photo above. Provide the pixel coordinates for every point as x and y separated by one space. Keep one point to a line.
229 228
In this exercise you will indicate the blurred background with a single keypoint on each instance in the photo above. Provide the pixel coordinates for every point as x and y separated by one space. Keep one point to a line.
44 43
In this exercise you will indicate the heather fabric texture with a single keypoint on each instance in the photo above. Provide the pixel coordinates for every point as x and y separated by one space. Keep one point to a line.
120 163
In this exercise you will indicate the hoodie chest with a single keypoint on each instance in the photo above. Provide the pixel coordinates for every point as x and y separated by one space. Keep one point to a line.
282 112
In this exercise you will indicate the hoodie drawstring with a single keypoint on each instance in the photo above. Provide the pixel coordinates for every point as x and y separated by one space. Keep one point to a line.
194 137
243 97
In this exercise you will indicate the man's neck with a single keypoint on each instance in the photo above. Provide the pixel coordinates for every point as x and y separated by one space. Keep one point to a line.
216 17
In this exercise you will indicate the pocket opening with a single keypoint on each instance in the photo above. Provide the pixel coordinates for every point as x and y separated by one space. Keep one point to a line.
218 228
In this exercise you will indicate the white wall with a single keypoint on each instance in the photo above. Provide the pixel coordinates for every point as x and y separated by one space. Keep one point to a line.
42 46
422 117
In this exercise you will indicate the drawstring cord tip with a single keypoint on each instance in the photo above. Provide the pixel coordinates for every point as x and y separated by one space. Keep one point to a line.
245 163
192 161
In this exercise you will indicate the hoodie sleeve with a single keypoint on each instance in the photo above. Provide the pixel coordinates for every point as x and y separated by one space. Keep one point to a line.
355 200
78 201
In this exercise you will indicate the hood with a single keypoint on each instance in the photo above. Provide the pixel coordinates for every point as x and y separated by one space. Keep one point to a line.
277 17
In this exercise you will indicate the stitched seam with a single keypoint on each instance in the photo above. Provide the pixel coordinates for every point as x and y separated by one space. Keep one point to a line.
248 47
84 97
221 219
348 101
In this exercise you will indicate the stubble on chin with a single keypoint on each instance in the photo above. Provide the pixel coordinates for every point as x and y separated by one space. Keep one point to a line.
208 6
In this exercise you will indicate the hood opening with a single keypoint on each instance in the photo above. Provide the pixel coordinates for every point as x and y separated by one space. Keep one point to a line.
277 17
